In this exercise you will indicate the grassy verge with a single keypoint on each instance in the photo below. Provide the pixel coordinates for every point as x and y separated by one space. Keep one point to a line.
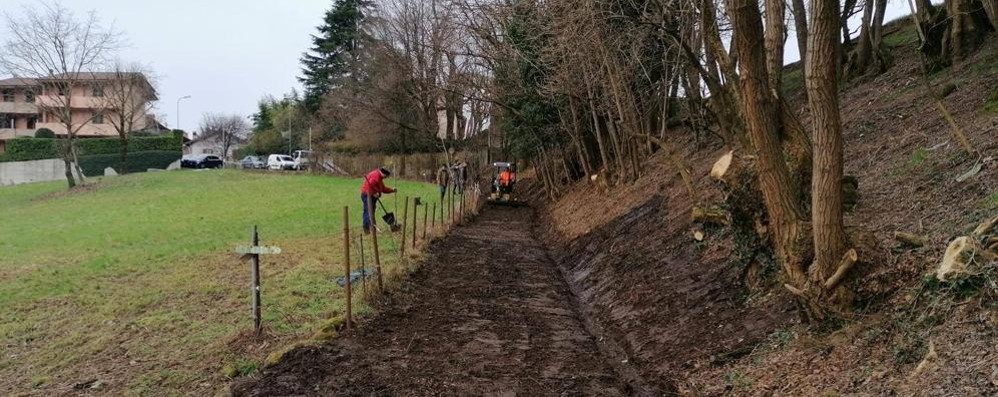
130 286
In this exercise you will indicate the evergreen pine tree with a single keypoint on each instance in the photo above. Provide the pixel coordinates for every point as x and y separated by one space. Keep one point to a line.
331 53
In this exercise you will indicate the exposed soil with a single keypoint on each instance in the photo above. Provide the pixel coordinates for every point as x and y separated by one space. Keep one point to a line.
488 313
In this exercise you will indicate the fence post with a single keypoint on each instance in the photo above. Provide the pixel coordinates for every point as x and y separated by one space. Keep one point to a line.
433 219
346 263
405 220
374 239
255 241
463 194
363 265
415 222
451 210
426 213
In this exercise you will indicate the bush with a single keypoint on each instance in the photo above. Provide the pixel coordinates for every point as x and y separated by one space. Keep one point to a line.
45 133
94 165
27 149
22 149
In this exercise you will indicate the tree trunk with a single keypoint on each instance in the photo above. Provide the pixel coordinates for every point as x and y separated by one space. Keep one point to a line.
991 8
826 186
124 156
763 119
878 25
775 41
860 59
800 25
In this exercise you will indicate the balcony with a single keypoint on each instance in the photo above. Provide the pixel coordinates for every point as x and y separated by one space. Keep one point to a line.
78 102
18 108
88 130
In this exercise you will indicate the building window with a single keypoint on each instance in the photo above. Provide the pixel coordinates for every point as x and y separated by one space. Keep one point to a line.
32 122
98 91
29 96
63 90
8 96
98 118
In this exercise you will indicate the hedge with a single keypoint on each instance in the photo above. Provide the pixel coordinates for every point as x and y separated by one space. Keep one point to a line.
94 165
27 149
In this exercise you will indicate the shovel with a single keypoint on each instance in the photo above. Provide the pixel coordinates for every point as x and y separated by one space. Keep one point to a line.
389 218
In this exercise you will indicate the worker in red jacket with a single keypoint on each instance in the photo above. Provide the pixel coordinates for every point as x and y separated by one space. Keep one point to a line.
373 187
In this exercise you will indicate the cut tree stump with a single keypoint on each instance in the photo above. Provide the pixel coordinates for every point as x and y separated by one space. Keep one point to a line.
722 165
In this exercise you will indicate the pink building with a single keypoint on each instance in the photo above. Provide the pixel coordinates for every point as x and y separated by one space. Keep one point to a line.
27 105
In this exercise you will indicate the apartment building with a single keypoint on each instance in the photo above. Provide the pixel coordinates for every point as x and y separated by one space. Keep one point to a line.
27 105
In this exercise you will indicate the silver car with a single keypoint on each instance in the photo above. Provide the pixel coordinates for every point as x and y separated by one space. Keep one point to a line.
253 163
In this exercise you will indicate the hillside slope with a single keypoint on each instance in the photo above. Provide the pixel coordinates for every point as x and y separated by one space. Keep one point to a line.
690 314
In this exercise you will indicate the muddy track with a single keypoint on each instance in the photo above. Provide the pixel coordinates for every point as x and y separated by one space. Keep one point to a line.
487 314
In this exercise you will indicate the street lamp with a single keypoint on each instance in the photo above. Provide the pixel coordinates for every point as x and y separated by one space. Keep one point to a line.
178 108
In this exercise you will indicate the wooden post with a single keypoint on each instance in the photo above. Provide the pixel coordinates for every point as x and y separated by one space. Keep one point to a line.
450 208
463 194
415 223
346 263
363 266
405 220
426 213
374 240
433 219
255 258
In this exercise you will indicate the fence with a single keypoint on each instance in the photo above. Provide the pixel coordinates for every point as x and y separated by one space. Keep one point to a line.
391 249
417 166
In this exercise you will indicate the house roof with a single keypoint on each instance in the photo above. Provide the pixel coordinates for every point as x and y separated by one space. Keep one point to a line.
18 82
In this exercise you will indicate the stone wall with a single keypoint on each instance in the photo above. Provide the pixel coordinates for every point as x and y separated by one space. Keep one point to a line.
18 172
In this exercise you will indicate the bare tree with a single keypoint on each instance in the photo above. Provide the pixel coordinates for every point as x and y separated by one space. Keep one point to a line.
224 130
128 98
829 236
50 44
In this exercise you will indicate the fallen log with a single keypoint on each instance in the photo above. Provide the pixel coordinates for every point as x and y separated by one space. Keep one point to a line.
911 240
985 227
714 215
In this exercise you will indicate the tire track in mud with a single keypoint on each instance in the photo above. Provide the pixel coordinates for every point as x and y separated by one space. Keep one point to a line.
488 313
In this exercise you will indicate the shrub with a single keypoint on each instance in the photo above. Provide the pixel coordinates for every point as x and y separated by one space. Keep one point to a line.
140 161
27 149
45 133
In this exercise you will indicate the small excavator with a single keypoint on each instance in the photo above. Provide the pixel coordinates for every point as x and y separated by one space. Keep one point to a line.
503 182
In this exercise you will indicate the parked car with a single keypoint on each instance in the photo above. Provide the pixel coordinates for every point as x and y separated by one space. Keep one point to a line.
280 162
303 159
252 162
201 161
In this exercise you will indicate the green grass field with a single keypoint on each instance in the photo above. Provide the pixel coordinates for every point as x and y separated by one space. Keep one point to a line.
132 282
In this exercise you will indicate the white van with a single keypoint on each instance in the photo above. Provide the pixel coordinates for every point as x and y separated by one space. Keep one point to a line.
280 162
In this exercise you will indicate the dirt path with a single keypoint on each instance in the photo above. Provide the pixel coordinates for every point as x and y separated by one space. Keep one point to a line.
489 314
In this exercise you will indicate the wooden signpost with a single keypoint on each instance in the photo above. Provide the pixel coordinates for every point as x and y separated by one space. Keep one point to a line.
252 253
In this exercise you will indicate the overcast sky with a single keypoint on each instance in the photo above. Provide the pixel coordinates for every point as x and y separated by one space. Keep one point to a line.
227 54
